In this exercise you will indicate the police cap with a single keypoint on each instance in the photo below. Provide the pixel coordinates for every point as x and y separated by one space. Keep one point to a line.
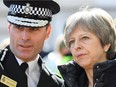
31 13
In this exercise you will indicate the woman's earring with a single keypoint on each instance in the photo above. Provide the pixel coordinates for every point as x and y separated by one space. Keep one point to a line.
105 50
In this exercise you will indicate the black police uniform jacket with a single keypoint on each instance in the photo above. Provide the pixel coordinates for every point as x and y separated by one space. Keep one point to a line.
10 68
104 74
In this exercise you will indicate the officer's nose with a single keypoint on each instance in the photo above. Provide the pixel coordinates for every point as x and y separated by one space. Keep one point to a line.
25 34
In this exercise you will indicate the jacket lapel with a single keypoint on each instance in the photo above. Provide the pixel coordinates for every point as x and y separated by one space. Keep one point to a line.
45 77
13 69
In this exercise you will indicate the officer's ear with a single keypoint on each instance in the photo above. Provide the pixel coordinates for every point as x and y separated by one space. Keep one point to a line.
9 25
48 31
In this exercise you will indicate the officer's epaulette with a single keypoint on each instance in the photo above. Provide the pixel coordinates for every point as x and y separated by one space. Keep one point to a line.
2 56
3 53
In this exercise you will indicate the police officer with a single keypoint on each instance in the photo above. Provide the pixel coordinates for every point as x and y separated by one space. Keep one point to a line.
29 26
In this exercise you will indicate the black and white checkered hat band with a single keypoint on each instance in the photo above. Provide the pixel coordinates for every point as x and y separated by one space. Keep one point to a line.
28 15
27 22
43 12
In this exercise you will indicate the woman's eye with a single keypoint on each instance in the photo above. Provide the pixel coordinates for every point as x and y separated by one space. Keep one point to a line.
85 37
71 43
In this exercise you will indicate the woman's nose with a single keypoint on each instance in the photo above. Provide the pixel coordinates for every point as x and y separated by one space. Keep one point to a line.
77 46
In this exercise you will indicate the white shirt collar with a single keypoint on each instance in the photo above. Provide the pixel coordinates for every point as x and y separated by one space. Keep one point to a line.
33 72
32 64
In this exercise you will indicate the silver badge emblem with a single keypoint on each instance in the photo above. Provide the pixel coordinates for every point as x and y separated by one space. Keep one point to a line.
27 9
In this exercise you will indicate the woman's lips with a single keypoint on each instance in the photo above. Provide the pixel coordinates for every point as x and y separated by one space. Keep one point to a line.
80 55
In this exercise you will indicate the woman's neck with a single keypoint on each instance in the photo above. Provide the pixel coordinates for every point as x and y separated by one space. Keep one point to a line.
90 77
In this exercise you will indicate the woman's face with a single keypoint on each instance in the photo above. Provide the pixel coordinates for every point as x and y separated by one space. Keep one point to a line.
86 48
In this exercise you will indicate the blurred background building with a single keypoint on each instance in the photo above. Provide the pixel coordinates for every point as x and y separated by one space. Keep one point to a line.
68 7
